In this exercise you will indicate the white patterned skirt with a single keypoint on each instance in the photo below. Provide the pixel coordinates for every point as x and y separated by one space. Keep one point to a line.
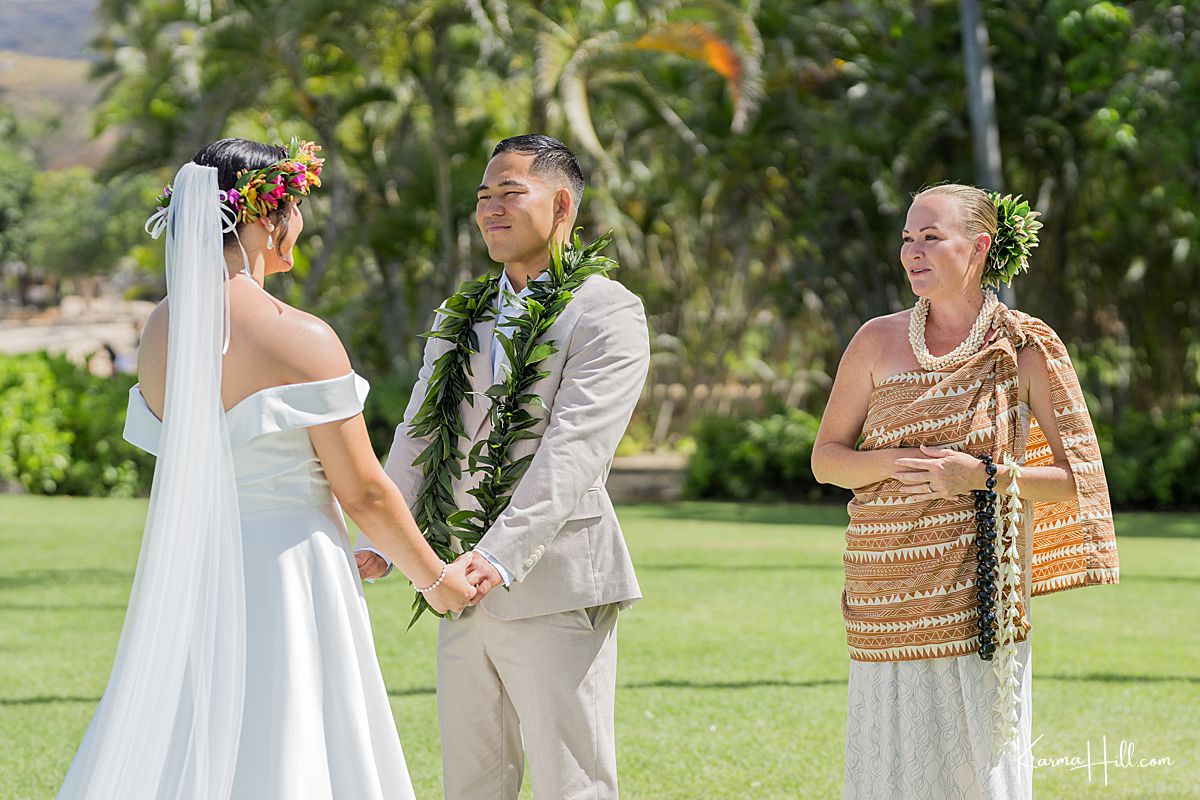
924 729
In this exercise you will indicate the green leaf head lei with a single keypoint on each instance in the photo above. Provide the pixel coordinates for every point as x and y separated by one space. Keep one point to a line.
1017 229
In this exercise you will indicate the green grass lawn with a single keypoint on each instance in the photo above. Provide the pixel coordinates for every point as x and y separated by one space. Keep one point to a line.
732 670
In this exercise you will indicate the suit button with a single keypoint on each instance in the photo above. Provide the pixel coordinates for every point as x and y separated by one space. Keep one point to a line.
529 562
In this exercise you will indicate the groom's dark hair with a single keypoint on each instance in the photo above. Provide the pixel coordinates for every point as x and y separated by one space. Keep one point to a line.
550 157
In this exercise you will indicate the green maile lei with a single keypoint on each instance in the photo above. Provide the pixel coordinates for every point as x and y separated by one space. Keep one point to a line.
1017 229
438 418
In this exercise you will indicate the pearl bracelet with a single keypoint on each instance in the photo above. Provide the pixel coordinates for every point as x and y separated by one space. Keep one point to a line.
436 583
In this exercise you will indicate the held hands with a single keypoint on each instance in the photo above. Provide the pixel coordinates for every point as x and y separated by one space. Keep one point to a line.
939 474
455 591
468 580
473 577
484 575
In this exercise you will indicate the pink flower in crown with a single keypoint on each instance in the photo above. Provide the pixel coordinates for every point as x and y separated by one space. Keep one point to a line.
167 190
299 180
235 199
297 167
278 192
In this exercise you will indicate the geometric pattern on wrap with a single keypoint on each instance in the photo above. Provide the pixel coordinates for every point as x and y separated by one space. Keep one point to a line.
910 563
1074 543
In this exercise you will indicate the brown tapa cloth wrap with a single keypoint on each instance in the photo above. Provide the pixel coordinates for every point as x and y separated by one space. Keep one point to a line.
910 563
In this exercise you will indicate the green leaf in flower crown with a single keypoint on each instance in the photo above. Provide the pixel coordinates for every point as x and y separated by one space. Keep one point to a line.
1016 235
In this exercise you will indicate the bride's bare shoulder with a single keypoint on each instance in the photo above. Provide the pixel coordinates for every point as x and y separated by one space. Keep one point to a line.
300 346
152 344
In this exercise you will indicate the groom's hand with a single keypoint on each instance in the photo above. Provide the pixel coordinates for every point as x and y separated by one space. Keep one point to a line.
370 565
484 576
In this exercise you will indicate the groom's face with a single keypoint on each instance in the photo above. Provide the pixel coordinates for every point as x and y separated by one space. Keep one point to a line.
517 210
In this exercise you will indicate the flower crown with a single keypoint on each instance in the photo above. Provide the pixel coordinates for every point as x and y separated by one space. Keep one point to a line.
1017 229
261 192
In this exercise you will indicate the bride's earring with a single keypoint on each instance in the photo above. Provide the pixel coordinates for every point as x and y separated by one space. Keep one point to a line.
270 242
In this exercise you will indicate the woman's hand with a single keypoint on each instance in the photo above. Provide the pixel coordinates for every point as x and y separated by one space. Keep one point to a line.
940 474
455 591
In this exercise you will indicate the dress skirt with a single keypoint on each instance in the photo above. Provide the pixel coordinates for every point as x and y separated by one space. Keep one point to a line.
317 722
924 729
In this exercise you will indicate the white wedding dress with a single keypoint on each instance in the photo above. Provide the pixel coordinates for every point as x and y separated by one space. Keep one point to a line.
316 722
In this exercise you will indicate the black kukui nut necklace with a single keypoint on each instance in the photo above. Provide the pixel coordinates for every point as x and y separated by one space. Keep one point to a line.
985 547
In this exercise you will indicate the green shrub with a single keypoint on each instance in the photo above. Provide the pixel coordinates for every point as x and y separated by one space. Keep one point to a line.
35 449
60 430
763 460
1150 460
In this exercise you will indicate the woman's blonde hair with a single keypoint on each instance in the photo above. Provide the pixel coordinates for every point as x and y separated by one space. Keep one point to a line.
1012 225
977 212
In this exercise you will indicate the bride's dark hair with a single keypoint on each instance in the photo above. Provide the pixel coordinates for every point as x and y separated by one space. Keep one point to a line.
231 156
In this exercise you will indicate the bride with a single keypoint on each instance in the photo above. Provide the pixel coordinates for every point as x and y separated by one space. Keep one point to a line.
246 667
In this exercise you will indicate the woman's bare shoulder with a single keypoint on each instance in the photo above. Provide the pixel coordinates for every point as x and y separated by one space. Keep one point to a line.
881 349
157 321
881 331
890 324
152 344
299 345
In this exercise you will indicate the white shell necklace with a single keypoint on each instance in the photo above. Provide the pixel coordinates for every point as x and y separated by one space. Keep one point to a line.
970 346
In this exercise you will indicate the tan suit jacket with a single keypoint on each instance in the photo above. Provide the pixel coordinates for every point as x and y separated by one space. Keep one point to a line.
559 537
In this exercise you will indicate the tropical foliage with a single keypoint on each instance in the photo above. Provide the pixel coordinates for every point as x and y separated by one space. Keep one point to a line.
754 159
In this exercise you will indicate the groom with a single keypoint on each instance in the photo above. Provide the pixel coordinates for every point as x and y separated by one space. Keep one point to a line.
530 668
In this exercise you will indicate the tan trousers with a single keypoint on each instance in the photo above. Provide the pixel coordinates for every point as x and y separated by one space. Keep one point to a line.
542 687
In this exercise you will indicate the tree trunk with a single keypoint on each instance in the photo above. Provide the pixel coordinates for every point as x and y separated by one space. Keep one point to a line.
981 100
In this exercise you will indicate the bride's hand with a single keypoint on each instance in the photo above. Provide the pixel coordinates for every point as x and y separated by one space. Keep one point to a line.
455 591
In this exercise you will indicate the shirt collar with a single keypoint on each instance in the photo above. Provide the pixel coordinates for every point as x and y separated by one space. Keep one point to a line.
506 284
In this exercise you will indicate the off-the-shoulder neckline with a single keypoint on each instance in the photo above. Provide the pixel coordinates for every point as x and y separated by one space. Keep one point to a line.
253 395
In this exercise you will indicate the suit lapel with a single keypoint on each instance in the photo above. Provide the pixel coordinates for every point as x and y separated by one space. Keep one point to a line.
481 380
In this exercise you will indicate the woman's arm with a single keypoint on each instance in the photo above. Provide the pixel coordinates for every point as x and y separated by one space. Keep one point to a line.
358 481
1053 482
834 459
376 505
